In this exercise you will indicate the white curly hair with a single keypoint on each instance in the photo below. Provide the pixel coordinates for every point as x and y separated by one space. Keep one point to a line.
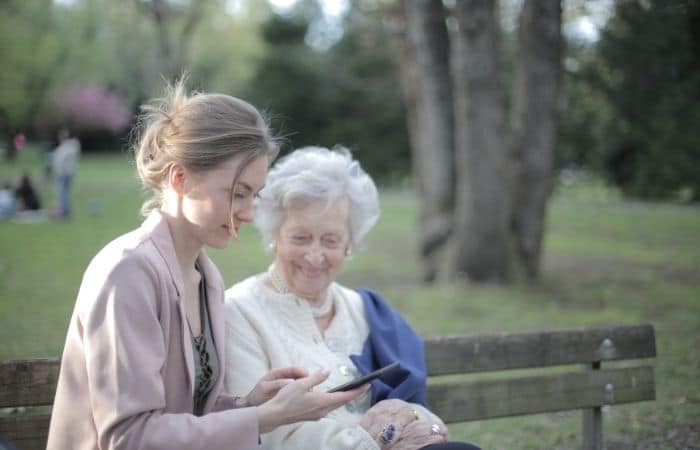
317 173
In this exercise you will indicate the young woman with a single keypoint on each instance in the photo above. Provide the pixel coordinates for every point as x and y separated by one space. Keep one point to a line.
144 355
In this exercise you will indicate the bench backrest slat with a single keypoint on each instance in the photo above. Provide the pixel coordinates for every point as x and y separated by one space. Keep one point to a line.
467 354
468 400
28 382
487 399
26 432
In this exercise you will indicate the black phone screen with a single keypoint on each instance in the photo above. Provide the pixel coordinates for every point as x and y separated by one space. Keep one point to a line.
365 378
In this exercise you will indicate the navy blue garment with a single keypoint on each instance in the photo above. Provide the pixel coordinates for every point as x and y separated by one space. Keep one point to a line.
391 339
451 446
6 444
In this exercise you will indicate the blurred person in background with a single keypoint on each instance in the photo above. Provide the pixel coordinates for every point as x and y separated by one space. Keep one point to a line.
64 164
47 147
27 194
19 141
8 204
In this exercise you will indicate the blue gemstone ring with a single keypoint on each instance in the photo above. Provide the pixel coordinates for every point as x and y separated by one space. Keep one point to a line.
387 433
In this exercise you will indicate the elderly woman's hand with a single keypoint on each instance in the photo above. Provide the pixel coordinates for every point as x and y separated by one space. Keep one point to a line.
418 434
270 384
386 420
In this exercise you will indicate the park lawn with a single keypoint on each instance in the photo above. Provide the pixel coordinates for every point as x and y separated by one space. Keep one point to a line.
606 261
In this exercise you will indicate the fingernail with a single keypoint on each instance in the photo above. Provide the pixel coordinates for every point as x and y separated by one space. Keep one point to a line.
287 381
326 372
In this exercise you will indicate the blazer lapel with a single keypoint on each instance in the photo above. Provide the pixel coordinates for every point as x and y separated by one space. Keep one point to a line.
187 345
159 231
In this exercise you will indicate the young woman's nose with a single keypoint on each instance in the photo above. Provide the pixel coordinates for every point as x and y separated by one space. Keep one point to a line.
246 213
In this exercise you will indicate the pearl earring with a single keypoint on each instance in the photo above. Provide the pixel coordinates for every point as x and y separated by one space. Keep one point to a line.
272 246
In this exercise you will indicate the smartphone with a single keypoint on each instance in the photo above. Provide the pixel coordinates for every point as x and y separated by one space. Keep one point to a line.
365 378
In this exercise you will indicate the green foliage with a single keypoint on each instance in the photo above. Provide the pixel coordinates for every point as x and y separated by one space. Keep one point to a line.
30 50
347 94
583 116
49 46
639 104
630 109
363 98
224 47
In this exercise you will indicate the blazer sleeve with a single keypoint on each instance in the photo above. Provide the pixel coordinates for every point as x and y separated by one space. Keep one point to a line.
247 361
125 350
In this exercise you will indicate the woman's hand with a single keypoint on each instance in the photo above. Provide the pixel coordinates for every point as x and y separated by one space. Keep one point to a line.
418 434
297 401
388 412
409 432
270 384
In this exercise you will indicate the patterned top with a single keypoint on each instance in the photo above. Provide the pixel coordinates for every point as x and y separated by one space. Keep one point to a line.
206 364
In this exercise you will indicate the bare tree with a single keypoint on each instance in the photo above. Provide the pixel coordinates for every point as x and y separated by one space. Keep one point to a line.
534 127
175 23
483 201
424 57
503 180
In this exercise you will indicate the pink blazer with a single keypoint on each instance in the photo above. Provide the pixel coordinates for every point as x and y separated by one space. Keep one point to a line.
126 379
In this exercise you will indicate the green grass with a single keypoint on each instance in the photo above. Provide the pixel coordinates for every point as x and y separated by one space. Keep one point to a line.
606 261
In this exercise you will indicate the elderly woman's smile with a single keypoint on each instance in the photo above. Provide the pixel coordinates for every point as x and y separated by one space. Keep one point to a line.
311 245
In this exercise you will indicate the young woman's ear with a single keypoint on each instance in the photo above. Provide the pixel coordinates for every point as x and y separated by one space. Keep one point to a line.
177 176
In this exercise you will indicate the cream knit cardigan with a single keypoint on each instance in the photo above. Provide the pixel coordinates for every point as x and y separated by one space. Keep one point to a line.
266 330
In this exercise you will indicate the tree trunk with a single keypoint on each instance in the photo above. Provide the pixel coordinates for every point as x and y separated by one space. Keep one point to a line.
534 122
173 46
424 58
483 192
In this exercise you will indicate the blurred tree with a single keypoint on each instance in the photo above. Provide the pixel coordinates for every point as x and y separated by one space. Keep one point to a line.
503 179
174 23
344 94
30 49
361 96
287 81
50 47
647 68
94 113
581 130
424 57
534 122
483 204
224 51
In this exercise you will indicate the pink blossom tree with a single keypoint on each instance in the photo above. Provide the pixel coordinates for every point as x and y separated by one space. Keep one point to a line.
90 107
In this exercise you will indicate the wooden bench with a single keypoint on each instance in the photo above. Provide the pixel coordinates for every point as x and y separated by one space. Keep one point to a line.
32 382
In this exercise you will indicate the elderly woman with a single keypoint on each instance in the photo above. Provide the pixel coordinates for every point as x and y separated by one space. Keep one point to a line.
316 207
